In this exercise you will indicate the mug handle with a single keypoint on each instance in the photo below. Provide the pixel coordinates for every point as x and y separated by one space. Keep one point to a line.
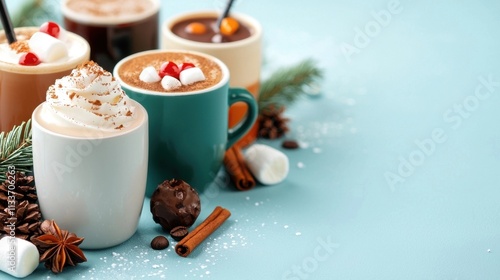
240 129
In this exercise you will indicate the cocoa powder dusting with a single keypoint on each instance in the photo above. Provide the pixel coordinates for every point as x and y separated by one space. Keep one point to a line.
108 8
20 46
92 67
95 102
23 34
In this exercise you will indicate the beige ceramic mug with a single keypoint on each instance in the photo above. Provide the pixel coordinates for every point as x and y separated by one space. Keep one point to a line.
242 57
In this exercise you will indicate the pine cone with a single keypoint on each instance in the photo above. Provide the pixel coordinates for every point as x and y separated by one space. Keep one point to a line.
19 210
24 189
25 221
272 124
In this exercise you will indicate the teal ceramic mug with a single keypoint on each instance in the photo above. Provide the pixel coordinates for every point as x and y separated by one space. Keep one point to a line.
188 127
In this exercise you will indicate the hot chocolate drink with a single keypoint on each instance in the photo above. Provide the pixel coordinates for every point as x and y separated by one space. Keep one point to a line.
90 153
23 86
131 70
114 28
205 30
187 97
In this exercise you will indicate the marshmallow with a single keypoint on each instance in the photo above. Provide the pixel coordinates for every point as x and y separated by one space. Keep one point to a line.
191 76
170 83
217 38
268 165
63 34
18 257
149 75
46 47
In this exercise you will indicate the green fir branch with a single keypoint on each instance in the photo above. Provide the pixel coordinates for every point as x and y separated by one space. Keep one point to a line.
287 84
16 149
23 15
35 12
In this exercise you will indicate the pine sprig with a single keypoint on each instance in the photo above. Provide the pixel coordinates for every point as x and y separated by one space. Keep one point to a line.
287 84
22 16
16 149
34 13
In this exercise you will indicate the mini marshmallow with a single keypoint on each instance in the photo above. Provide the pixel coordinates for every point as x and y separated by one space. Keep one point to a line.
149 75
63 34
217 38
18 257
170 83
46 47
268 165
191 76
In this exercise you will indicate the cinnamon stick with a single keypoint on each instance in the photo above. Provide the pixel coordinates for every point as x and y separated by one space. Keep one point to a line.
238 170
202 231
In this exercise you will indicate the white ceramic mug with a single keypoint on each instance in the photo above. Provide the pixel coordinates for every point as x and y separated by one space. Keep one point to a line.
92 184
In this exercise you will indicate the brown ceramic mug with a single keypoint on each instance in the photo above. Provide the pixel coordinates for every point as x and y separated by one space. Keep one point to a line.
113 28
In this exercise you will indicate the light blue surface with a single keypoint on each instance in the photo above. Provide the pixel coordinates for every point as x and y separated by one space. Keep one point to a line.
402 87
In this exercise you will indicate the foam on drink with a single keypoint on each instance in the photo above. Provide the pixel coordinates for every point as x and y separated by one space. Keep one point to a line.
109 11
130 71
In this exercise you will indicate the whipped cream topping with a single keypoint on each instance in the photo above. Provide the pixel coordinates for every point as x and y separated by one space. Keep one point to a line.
92 98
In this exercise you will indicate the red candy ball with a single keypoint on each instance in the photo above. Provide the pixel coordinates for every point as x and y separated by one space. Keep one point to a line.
29 59
51 28
186 65
170 69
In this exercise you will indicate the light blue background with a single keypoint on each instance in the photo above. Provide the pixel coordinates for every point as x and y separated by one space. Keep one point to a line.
400 87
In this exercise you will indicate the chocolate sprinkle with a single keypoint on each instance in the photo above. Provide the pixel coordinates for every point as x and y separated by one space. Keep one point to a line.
290 144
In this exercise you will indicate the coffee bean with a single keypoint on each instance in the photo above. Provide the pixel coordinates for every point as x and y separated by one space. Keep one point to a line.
159 243
178 233
290 144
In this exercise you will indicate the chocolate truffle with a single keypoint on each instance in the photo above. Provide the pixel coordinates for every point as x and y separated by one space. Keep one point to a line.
175 203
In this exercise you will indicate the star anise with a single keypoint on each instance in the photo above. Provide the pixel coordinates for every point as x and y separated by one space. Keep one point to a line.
58 248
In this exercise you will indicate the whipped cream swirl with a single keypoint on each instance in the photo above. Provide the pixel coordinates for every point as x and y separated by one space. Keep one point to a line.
91 97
